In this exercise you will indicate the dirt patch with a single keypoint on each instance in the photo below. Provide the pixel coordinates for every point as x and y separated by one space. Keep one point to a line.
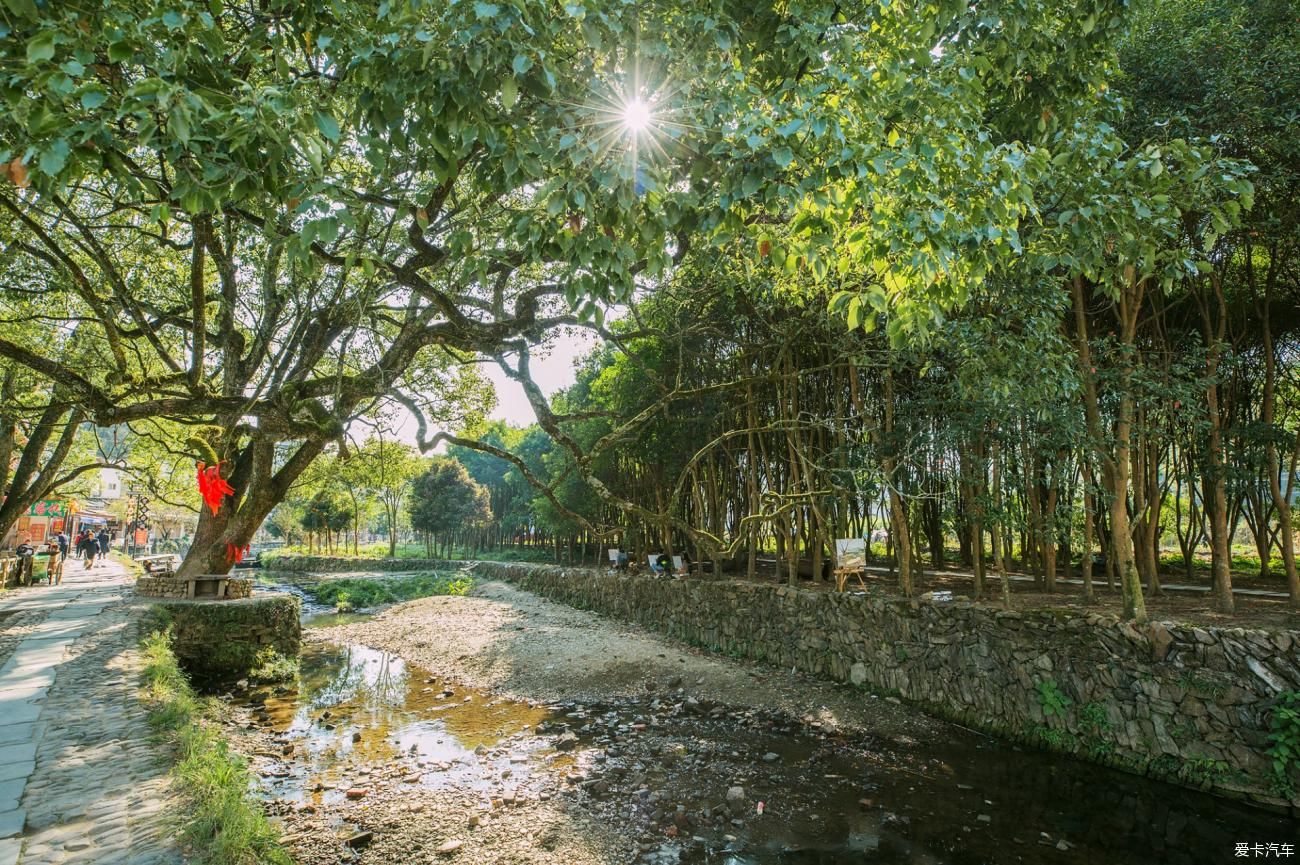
1193 608
1173 606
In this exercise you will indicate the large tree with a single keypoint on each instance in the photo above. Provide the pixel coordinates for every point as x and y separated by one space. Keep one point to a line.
266 212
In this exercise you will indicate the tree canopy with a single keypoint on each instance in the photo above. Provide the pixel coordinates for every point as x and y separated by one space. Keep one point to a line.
262 221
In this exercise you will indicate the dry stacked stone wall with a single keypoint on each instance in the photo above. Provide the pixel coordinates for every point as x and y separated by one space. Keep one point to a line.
219 642
1178 702
173 588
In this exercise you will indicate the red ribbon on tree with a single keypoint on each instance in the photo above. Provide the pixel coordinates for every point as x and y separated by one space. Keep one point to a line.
235 554
212 486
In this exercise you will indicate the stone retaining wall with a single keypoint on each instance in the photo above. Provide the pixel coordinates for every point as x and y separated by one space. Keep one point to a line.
171 587
218 642
1186 704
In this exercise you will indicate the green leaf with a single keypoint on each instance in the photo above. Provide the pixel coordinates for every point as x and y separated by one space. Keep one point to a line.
92 99
23 8
328 126
855 313
120 51
55 157
782 156
180 124
522 63
509 93
790 128
41 47
486 10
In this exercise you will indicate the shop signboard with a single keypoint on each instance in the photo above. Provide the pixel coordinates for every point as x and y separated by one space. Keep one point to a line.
48 508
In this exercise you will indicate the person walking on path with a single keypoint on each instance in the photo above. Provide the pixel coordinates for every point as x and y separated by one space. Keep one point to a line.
103 541
88 547
62 540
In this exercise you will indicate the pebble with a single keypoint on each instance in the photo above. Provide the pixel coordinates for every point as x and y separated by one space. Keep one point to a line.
357 793
447 847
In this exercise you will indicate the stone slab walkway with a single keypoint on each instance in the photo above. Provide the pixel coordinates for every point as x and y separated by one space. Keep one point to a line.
81 780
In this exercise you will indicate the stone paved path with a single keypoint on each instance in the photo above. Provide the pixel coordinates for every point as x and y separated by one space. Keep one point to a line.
81 781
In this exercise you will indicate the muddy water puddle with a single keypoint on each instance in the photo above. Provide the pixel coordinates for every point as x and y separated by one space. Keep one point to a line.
362 713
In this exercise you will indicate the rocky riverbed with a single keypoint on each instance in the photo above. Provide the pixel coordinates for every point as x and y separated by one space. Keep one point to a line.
501 728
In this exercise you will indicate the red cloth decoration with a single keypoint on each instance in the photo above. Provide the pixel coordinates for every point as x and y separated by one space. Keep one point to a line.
212 486
235 554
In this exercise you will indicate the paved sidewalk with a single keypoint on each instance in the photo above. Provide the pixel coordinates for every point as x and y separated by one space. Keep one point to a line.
80 779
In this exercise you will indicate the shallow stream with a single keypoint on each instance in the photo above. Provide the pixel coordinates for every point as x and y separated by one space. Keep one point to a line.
664 765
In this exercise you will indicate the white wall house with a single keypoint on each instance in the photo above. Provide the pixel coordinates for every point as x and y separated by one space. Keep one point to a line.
108 485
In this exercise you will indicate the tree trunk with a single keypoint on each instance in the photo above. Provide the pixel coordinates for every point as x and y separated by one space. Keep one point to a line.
1217 498
257 490
1114 458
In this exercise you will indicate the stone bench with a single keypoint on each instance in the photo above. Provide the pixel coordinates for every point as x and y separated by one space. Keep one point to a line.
162 565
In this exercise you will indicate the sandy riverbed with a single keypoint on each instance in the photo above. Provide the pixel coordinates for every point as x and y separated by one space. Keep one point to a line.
517 644
509 643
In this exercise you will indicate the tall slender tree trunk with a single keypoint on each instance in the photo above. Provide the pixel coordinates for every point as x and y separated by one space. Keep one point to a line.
1085 563
1215 328
897 504
1114 458
997 530
1281 499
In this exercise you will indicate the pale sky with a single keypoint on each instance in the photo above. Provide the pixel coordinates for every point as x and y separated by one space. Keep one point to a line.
553 369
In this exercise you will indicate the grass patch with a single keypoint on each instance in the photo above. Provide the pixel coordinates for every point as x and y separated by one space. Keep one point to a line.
273 668
350 594
224 826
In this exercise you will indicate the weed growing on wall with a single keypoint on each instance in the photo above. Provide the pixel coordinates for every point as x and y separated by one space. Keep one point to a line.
1284 740
1054 703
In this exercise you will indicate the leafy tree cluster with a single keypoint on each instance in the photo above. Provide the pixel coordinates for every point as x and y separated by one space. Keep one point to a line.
264 219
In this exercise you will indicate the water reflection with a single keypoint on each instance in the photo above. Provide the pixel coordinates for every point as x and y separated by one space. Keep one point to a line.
361 711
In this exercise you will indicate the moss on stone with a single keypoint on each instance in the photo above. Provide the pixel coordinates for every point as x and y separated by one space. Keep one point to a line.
219 642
